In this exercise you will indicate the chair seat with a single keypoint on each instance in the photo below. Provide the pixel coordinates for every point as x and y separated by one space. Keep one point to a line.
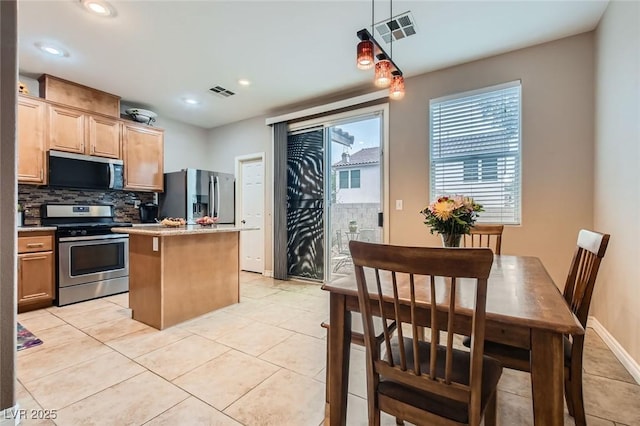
442 406
513 357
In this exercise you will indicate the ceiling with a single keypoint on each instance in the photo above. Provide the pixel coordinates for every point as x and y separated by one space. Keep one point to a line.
154 54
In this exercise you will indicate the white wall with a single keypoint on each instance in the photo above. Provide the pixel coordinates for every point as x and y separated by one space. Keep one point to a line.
369 191
243 138
557 147
557 140
616 300
185 146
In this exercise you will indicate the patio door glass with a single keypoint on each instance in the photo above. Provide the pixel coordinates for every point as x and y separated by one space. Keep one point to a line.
305 204
354 193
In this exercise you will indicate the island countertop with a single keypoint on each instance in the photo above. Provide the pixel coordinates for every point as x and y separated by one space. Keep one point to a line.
163 231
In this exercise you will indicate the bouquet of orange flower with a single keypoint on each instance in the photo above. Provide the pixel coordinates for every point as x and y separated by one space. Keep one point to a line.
451 214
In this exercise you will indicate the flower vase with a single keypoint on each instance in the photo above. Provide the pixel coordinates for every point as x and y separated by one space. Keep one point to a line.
451 240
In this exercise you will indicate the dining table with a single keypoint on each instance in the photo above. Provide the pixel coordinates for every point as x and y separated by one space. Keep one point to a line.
524 309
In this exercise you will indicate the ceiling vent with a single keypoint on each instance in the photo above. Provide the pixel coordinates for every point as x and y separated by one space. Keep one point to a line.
398 27
222 92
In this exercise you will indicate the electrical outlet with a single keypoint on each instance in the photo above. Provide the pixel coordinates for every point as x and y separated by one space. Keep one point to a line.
136 204
398 204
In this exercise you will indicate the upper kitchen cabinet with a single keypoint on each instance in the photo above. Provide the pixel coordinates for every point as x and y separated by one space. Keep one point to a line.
103 134
143 149
72 130
32 140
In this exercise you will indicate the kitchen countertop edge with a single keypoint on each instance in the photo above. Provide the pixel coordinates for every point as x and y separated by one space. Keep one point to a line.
162 231
36 228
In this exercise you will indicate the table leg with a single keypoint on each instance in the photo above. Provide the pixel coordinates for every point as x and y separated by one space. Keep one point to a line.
547 378
339 348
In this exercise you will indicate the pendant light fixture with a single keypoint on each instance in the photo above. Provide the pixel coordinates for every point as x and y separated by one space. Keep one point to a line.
396 91
383 73
365 55
387 73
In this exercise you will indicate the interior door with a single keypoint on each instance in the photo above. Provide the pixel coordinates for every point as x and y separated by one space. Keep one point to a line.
252 205
305 204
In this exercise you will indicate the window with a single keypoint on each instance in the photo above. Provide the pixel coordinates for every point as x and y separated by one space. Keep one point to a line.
355 178
344 179
475 149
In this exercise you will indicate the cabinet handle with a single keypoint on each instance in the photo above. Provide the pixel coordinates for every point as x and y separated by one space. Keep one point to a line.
34 245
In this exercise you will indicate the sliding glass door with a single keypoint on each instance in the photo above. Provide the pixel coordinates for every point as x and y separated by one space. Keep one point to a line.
354 199
305 204
334 193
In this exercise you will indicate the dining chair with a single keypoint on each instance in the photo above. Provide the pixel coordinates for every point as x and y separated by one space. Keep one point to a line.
484 235
416 381
578 290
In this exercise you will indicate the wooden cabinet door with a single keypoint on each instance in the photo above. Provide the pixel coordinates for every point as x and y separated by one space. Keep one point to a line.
143 158
104 136
35 277
66 130
31 141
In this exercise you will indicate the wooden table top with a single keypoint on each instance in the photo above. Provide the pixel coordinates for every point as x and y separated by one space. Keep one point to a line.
520 292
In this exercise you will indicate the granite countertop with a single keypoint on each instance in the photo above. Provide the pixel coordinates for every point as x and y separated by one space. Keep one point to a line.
35 228
163 231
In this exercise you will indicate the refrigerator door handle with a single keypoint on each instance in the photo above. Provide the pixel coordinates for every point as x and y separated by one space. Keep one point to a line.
216 205
212 190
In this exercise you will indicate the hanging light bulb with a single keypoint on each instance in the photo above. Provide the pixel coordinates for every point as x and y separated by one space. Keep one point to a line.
396 91
365 54
383 73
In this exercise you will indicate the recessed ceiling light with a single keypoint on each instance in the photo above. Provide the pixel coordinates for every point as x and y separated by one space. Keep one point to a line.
244 82
52 49
99 7
191 101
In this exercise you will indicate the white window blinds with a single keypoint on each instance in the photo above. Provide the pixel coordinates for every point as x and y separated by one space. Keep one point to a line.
475 149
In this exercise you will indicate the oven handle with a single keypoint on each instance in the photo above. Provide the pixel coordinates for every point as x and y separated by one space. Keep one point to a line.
94 237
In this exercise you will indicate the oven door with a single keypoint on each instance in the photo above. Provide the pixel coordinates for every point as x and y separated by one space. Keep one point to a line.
94 258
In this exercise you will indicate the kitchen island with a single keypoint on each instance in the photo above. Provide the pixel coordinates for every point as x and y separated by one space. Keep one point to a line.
176 274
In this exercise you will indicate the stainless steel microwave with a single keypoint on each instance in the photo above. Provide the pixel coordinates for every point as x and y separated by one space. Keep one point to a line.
67 170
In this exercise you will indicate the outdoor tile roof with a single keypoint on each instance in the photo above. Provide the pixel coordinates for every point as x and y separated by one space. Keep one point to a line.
362 157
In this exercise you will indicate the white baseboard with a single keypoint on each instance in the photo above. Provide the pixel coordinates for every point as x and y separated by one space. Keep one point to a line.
268 273
623 356
11 416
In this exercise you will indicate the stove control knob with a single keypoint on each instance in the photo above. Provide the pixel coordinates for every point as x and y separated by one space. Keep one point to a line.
83 232
73 233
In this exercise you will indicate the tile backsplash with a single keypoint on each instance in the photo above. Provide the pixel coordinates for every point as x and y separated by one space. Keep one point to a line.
31 197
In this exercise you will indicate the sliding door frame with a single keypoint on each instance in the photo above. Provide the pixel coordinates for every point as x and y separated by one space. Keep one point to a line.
330 120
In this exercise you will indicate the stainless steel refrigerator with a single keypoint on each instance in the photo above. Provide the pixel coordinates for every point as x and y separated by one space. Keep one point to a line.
192 193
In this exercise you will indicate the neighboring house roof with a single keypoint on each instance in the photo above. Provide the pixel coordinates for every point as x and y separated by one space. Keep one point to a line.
363 157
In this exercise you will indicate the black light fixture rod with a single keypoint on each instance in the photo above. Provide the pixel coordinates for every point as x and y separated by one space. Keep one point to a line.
363 35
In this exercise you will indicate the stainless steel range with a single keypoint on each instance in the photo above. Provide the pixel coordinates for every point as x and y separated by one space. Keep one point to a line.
92 261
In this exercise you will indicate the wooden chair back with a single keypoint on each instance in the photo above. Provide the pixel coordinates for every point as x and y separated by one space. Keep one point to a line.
396 274
483 235
583 271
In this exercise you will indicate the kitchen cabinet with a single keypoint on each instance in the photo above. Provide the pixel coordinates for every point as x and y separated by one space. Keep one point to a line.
73 130
36 280
32 140
143 149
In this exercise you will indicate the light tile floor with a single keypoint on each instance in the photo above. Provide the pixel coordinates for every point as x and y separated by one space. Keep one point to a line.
260 362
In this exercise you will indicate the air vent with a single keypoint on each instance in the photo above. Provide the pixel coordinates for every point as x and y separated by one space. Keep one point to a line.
221 91
399 27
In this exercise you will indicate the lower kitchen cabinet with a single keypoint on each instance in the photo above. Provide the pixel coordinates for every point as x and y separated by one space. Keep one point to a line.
36 269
